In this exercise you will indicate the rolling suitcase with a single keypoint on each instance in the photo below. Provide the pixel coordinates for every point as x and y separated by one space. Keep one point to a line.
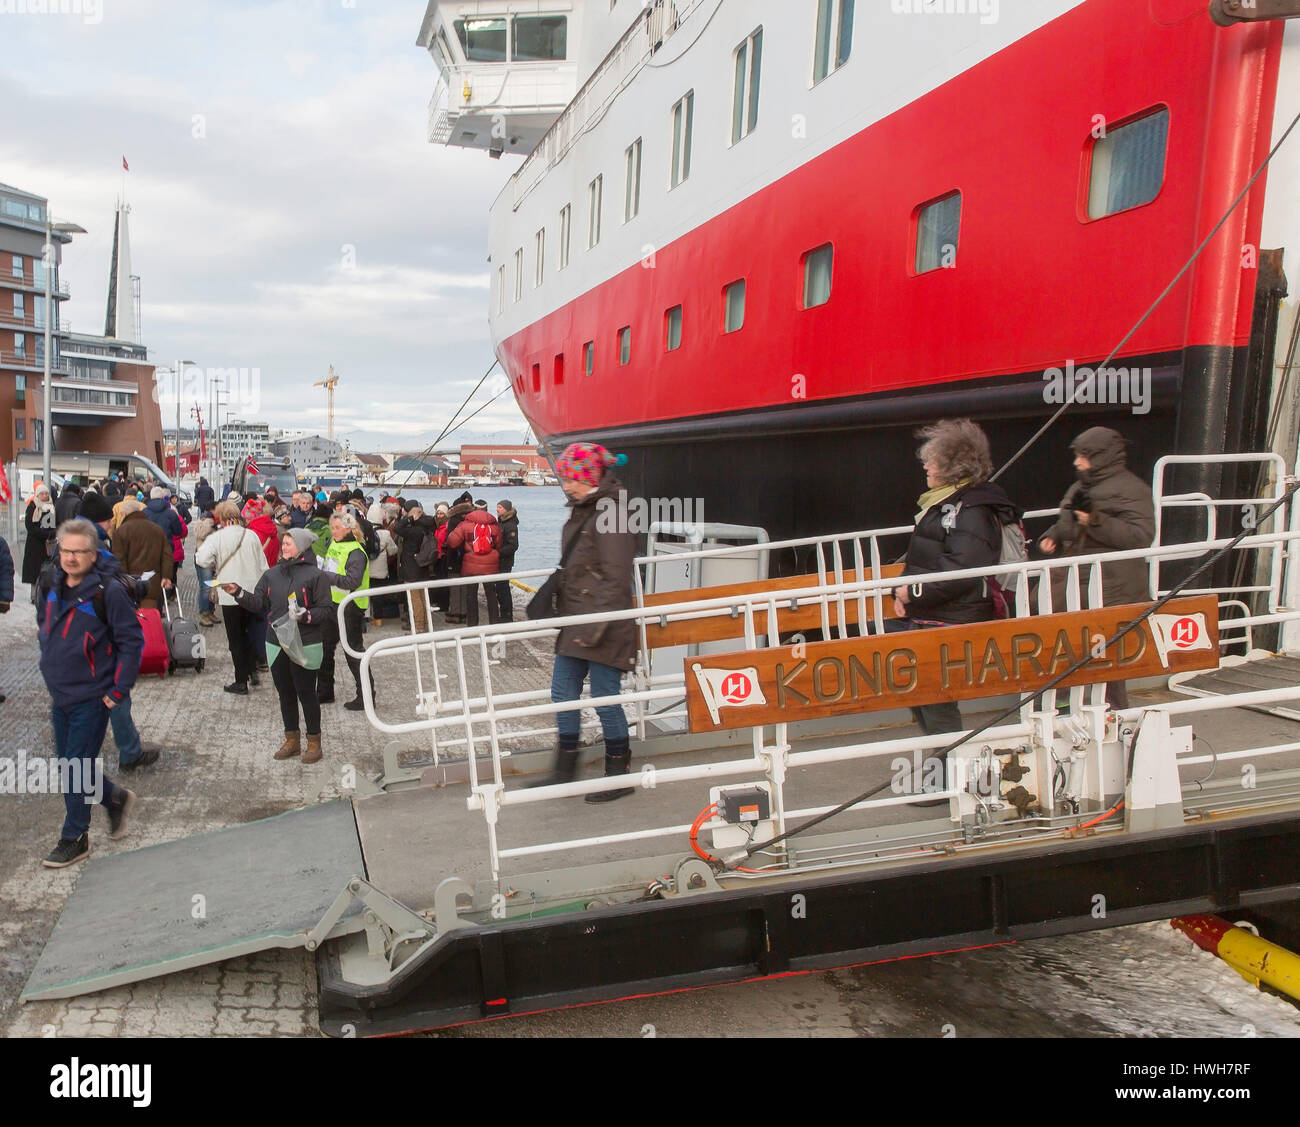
155 657
185 644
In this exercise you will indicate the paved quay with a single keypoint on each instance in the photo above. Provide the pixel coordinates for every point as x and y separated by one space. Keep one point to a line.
217 772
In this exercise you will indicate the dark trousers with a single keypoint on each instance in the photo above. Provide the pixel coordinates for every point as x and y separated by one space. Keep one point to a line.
239 633
505 600
933 718
79 737
353 616
296 686
493 604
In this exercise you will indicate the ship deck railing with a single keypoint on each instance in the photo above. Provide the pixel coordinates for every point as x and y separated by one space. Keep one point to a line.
486 715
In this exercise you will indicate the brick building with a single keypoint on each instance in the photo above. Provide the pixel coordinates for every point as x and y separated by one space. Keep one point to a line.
102 386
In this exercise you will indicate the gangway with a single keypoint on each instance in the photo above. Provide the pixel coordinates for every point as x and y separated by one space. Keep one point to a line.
478 898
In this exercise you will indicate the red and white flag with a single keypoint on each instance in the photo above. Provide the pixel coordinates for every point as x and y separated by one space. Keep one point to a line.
728 688
252 465
5 495
125 167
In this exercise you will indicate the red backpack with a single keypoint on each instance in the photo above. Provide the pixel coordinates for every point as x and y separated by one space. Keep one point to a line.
483 539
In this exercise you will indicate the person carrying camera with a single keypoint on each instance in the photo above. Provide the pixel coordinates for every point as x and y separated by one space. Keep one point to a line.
1108 509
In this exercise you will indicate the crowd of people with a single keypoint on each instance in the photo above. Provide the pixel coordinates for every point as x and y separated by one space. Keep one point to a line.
273 572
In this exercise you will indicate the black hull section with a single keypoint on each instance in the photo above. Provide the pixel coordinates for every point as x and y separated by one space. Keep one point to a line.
816 468
603 955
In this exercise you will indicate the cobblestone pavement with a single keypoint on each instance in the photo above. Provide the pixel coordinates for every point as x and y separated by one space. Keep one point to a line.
216 770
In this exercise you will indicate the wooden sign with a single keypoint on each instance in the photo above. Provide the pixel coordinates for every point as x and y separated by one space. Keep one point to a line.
950 663
720 626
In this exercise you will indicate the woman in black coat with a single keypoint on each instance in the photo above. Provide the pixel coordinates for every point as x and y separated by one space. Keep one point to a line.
41 527
958 527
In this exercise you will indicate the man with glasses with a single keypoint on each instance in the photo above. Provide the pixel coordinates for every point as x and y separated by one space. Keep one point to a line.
91 643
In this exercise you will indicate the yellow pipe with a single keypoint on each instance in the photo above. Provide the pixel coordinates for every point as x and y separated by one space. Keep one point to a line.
1258 960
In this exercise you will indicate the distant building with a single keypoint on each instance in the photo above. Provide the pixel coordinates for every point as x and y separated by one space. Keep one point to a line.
240 438
475 460
102 387
306 450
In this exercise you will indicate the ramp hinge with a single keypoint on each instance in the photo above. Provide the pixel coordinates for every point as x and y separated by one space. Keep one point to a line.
1229 13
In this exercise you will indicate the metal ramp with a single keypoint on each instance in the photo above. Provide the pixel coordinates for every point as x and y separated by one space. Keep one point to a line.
263 885
1258 671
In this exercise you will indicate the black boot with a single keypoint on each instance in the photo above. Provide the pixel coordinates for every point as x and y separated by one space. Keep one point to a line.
618 758
566 765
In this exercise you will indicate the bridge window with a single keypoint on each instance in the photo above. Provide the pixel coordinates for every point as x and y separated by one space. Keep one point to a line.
683 126
938 226
749 65
540 38
625 345
483 41
818 267
540 274
1128 165
733 307
501 289
673 328
519 274
834 36
589 357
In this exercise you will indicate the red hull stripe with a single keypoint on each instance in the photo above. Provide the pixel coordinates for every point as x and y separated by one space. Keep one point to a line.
1034 284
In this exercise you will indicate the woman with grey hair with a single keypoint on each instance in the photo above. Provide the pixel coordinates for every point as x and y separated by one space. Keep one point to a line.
958 526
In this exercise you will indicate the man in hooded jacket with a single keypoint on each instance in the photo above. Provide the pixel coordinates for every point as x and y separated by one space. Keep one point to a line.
1108 509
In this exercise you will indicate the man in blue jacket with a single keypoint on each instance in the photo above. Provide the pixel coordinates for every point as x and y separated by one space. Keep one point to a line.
91 643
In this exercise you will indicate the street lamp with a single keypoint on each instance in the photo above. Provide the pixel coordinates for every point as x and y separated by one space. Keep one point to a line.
47 418
178 372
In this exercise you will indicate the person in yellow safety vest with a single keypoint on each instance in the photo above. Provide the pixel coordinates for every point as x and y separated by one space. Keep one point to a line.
347 567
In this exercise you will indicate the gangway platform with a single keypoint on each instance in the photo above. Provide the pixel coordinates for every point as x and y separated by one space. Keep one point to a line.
479 897
1257 671
201 899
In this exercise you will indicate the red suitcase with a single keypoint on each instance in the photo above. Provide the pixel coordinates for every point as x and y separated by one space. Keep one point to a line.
156 656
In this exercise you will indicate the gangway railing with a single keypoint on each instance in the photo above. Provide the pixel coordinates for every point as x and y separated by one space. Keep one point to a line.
481 716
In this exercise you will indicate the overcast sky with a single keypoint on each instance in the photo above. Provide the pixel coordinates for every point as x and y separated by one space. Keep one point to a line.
264 138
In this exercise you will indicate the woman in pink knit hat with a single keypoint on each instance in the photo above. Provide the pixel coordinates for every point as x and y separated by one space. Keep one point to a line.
596 579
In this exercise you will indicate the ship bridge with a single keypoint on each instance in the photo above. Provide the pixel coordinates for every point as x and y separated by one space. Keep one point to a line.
505 70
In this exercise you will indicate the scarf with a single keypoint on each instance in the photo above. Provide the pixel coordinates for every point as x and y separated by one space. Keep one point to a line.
928 500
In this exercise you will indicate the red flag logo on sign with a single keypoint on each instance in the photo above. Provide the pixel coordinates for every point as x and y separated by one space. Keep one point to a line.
728 688
1179 632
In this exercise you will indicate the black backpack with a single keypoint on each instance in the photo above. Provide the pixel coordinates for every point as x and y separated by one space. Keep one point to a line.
135 588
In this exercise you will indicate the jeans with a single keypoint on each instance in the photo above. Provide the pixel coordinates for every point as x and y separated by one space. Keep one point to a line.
933 718
125 734
79 737
566 684
207 600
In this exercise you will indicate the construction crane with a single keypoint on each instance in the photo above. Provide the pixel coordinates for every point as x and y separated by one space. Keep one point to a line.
329 385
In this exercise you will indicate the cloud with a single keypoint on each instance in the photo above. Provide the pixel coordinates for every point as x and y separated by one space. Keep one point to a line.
287 211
